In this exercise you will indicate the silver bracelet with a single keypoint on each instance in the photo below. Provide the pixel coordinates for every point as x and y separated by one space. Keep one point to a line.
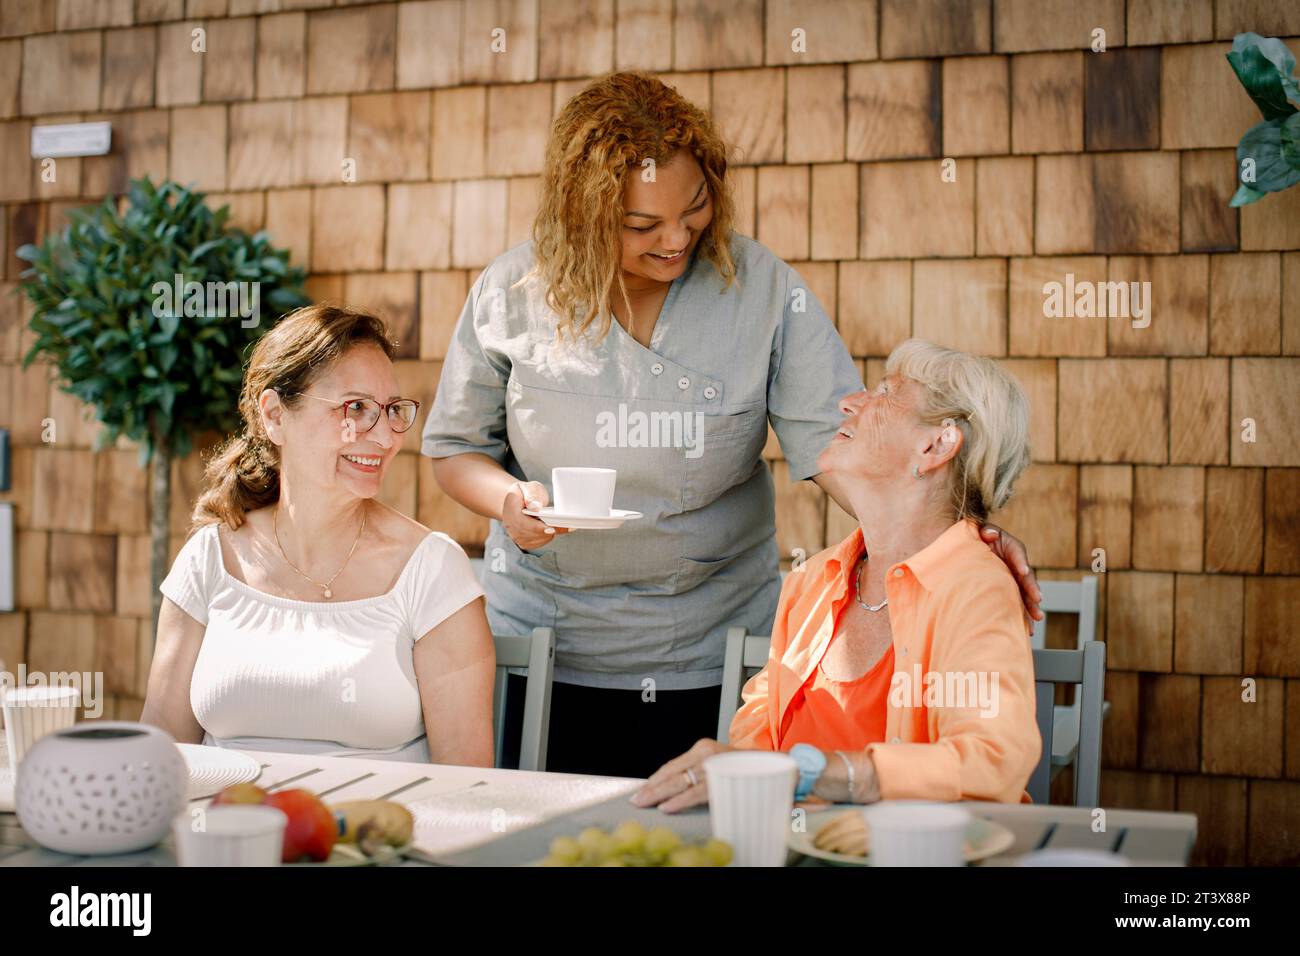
849 765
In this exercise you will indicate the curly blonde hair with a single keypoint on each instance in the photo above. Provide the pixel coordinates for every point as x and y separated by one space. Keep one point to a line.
600 137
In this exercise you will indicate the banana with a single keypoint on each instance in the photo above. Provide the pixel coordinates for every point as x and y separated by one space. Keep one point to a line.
372 824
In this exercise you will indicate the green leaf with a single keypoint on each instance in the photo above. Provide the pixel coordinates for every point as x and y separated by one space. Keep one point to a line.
168 323
272 265
108 338
167 358
1245 195
1264 66
1262 145
1291 140
201 250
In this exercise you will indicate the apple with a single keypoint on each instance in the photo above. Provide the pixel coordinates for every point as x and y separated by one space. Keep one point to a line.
312 829
239 793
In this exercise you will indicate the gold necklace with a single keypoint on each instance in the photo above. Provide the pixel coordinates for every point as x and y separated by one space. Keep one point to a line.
325 588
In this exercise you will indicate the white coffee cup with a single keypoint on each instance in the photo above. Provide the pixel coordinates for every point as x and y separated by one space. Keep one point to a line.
230 835
751 794
583 492
916 833
32 712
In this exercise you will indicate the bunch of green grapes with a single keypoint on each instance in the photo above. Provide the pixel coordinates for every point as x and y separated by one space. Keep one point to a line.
631 844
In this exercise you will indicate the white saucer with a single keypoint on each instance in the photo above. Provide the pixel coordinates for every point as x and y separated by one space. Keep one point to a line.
615 518
212 769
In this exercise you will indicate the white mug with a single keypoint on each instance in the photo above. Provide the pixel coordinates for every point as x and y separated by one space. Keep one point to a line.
230 835
916 833
584 492
751 794
32 712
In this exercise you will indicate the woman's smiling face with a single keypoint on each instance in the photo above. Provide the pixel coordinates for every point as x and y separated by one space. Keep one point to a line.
319 442
881 433
663 219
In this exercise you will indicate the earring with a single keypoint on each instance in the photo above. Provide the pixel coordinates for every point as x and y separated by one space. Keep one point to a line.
916 472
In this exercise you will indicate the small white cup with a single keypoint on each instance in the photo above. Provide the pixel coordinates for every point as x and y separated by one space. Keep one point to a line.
916 833
751 794
230 835
584 492
1072 858
32 712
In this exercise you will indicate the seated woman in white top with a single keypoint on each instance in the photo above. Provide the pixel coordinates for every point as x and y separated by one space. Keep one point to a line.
302 615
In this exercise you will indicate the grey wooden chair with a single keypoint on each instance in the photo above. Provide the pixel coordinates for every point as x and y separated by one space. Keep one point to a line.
746 653
537 653
1085 668
1068 597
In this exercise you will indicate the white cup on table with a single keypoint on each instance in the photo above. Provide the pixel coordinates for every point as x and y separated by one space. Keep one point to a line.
583 492
751 794
916 833
32 712
230 835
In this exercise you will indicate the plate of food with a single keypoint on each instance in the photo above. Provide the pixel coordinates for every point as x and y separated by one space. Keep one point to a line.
840 835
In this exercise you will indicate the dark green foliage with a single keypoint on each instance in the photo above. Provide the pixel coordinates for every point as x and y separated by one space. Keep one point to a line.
154 374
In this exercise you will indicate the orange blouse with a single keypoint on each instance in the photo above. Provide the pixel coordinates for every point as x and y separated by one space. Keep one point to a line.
840 715
956 616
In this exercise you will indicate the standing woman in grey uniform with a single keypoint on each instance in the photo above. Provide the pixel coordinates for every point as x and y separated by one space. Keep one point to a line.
637 331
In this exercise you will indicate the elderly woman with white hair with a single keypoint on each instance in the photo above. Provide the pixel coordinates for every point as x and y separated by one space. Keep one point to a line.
899 665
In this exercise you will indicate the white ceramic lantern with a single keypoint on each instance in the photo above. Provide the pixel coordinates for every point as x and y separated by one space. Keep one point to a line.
101 787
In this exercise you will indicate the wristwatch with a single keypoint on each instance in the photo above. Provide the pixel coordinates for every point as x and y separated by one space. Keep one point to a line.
811 763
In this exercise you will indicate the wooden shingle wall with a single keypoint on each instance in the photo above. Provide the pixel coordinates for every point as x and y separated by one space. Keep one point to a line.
1110 166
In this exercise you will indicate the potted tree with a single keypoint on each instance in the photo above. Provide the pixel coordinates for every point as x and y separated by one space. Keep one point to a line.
1268 156
147 309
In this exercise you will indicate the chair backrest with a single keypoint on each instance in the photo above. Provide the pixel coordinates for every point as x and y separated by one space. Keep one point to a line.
745 652
1069 597
537 653
1086 668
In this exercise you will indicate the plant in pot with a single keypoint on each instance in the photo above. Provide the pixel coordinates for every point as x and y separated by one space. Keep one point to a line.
147 310
1268 156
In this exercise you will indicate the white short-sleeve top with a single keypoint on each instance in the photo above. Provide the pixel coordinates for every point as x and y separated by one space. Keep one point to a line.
334 678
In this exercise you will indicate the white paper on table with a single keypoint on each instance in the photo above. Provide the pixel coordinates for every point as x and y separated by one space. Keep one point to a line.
450 822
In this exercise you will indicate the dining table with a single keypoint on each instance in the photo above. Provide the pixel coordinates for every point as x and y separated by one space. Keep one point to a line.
471 816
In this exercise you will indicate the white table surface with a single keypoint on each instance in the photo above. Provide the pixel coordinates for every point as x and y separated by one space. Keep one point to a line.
469 816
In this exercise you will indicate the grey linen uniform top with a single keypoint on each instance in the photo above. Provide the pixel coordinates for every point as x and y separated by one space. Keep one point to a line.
684 422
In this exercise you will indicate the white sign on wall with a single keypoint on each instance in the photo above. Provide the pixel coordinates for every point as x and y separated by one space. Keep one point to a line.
71 139
6 556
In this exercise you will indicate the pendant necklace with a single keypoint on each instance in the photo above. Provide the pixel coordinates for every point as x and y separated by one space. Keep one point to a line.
325 588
